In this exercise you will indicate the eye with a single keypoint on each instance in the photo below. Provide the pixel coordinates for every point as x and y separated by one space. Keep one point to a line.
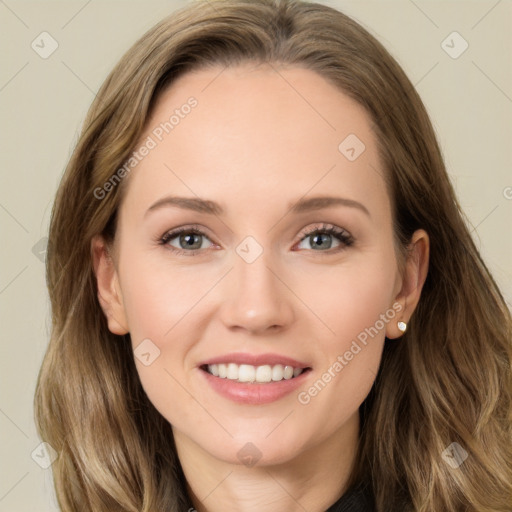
322 238
186 241
189 240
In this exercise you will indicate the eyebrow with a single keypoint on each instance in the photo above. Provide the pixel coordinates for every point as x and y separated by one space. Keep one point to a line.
213 208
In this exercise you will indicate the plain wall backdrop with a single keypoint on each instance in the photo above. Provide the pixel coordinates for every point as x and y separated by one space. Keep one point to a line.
45 91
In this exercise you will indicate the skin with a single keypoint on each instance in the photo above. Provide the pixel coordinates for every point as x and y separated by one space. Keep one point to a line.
256 146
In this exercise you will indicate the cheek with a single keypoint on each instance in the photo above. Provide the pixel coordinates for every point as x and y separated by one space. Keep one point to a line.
350 297
159 304
158 296
357 306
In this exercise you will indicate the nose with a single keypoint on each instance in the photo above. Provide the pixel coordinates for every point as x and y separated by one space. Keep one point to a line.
257 299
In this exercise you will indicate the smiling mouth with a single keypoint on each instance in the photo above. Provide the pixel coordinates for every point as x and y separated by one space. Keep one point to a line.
246 373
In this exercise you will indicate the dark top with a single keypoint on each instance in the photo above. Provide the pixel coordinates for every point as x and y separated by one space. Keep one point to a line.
359 499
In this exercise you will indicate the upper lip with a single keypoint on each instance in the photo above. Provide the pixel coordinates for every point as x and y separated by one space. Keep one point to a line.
255 360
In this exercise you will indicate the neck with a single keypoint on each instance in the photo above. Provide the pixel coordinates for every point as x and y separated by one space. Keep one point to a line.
313 480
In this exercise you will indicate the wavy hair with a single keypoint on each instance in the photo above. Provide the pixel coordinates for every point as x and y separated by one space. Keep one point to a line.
447 380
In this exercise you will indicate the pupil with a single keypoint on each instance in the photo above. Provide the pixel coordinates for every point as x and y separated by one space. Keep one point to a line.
320 236
189 239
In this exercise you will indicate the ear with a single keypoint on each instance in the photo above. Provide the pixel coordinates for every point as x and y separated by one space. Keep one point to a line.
415 273
109 291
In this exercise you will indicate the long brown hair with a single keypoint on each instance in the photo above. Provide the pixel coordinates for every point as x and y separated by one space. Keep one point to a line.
447 380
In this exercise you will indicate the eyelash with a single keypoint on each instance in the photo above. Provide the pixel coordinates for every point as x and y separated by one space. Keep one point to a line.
343 236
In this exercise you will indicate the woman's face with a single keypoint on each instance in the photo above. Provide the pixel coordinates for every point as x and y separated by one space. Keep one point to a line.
253 282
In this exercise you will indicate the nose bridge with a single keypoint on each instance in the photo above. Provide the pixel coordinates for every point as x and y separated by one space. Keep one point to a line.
257 298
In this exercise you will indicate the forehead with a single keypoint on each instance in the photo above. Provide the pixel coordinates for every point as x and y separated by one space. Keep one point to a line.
257 131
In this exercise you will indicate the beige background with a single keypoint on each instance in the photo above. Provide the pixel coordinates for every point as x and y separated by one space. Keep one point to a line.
43 103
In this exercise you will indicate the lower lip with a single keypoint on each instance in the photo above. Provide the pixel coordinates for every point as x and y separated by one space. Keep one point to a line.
254 393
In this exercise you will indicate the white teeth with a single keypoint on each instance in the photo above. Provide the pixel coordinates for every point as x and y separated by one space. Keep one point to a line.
249 373
277 372
246 373
232 371
264 373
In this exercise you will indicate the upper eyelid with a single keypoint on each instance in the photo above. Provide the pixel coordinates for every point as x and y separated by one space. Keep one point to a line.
323 227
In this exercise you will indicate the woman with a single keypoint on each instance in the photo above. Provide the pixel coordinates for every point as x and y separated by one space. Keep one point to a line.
269 372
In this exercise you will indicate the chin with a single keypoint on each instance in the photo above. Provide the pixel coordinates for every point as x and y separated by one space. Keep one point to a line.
257 451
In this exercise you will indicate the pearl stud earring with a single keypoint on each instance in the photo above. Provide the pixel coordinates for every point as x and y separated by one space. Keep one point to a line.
402 326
